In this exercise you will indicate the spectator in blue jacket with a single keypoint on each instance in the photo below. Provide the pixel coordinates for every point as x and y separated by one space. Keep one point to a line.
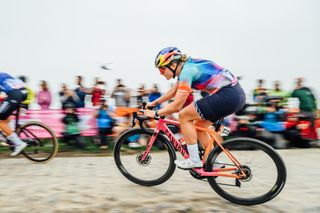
154 94
105 123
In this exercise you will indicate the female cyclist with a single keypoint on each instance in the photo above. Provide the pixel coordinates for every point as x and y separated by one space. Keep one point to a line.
225 97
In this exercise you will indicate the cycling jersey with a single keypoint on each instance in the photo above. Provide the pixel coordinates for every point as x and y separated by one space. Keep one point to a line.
16 93
204 75
9 83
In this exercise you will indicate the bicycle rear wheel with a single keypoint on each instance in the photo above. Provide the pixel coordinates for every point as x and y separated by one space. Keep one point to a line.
158 165
41 140
264 168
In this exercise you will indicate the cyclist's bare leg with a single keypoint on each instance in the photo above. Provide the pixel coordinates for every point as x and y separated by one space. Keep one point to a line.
4 126
19 145
203 136
186 117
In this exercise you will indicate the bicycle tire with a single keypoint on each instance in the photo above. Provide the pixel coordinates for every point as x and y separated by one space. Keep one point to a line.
167 146
28 133
256 145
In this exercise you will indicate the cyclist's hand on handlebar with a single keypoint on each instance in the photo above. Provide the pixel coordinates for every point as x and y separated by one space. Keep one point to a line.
150 105
150 113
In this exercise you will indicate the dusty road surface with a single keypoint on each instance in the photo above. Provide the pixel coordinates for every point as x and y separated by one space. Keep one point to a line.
94 184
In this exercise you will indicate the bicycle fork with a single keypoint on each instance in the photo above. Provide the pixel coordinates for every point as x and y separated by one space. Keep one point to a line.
150 144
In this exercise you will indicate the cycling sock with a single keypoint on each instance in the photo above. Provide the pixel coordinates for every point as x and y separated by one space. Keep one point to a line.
14 138
194 152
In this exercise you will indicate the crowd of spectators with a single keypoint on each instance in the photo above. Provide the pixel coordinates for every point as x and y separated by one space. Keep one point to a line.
279 97
96 97
81 96
272 119
271 105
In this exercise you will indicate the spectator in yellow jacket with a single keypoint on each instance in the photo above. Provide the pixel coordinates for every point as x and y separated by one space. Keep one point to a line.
31 95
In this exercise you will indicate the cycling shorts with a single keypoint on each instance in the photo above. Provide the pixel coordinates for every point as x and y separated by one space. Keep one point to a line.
12 102
226 101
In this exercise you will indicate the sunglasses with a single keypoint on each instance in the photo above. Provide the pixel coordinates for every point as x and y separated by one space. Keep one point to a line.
162 69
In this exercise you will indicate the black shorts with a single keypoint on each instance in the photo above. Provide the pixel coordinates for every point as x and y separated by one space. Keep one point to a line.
226 101
12 102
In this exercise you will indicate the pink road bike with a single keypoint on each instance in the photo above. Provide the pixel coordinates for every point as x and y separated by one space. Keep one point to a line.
242 170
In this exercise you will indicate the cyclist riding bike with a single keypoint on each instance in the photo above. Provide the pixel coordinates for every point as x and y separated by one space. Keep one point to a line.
15 93
226 96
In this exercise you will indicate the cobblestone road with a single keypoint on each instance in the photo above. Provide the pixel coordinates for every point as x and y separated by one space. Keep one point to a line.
93 184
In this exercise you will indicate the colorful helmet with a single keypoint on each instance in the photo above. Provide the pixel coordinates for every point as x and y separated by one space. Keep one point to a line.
166 56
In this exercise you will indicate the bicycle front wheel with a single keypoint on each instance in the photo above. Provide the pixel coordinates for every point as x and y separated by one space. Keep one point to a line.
265 171
41 140
155 169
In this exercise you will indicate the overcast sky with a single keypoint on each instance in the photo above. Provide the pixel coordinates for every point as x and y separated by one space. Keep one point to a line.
58 39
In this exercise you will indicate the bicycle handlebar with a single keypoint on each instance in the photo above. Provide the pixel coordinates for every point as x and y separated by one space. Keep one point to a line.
141 118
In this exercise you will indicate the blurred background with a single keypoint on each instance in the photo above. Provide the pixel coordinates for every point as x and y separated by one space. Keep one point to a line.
56 40
86 54
89 64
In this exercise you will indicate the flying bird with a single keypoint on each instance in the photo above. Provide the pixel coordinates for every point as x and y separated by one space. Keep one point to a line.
105 66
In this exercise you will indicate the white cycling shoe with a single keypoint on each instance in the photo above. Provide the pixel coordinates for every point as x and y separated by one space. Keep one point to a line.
188 164
18 149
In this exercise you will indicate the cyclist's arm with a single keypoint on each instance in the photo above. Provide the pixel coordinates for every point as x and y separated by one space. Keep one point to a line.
175 106
167 96
180 98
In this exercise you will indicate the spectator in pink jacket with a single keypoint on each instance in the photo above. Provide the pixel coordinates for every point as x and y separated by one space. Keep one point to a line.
44 96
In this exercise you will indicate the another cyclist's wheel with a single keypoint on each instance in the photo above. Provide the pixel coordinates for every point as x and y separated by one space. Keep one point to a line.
155 168
41 140
265 171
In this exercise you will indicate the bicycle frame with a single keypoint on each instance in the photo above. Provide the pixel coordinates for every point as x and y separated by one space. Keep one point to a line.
216 138
17 125
17 114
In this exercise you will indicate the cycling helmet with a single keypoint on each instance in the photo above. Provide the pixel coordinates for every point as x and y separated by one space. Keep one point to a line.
166 56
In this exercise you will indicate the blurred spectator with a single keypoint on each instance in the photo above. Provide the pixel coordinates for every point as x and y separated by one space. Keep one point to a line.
81 92
30 95
96 80
71 126
154 94
120 94
44 96
128 97
105 123
142 95
98 91
308 105
67 96
273 119
259 93
280 93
